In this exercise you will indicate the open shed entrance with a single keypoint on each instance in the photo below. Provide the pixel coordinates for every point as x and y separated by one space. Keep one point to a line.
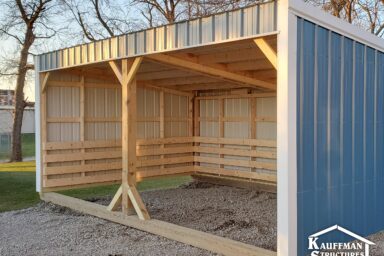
205 111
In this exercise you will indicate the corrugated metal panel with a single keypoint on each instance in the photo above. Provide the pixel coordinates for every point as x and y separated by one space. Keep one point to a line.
238 24
340 134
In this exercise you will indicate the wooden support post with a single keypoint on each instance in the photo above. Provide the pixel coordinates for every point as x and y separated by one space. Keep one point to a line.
162 124
221 125
196 122
130 198
190 115
268 51
43 124
82 117
252 124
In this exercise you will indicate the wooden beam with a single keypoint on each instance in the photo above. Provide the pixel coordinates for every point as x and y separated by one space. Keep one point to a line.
116 200
181 80
130 75
117 70
171 231
163 89
138 204
210 71
45 82
268 51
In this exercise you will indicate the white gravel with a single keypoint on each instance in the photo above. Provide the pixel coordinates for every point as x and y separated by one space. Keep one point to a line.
51 230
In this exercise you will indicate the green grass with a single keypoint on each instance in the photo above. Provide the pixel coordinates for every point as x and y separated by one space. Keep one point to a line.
28 147
17 190
17 186
28 144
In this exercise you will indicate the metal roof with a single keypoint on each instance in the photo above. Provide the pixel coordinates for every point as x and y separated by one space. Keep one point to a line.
227 26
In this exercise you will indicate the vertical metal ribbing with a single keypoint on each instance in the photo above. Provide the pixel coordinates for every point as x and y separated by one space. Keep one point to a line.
227 25
188 35
94 51
102 50
329 83
87 48
176 35
126 45
341 120
315 114
365 138
154 39
110 54
74 56
258 19
213 34
375 176
165 37
200 31
274 15
241 22
353 124
68 57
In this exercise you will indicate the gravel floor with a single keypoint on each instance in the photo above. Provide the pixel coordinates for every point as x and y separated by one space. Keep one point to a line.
218 210
52 230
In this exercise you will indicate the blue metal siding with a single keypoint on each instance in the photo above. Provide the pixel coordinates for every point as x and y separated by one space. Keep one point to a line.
340 134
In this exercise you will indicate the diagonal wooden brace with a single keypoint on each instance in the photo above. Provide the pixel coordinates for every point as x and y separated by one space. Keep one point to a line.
134 198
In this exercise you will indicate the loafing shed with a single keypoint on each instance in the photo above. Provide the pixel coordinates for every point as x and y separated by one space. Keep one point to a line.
277 94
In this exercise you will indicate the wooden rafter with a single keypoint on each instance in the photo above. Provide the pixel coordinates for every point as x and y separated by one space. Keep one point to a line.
268 51
215 72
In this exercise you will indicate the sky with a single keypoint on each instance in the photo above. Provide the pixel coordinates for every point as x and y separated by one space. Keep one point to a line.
63 39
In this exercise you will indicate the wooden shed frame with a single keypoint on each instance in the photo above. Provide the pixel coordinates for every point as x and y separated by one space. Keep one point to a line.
187 47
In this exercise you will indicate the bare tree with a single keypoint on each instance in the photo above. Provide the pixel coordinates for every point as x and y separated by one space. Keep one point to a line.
25 22
167 8
368 14
171 11
98 19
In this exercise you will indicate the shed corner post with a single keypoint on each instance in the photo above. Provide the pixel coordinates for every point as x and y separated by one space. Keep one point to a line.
286 131
38 125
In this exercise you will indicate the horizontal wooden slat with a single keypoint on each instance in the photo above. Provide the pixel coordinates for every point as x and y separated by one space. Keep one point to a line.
165 171
63 84
173 140
235 173
71 181
79 145
164 151
102 119
235 152
247 142
237 119
78 156
157 119
235 162
82 168
236 96
63 120
164 161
